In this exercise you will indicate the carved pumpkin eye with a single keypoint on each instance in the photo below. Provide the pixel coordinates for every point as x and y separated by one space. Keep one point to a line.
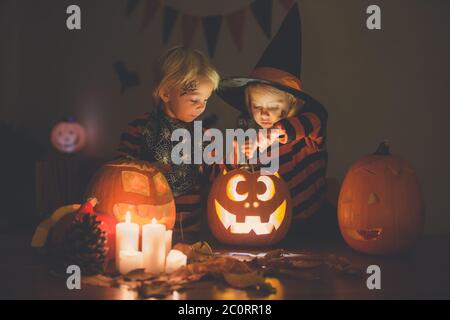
232 188
270 188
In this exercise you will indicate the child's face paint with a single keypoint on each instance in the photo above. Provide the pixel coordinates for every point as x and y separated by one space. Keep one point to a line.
189 101
267 108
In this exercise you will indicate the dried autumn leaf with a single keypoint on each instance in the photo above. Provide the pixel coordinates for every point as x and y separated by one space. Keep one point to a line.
278 253
299 274
308 264
185 248
202 248
98 280
185 278
244 280
156 290
276 263
240 267
265 288
138 275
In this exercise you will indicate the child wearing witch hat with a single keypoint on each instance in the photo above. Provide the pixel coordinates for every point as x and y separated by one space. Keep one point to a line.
273 97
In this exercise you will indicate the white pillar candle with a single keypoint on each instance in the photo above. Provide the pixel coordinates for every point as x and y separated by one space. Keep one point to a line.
154 246
168 241
130 260
175 259
127 237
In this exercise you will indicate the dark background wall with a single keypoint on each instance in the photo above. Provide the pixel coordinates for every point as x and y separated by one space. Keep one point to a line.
392 83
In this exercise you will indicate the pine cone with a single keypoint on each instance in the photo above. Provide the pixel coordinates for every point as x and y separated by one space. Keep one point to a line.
84 245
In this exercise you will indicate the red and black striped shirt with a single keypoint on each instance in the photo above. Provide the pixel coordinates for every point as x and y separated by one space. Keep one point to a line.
302 158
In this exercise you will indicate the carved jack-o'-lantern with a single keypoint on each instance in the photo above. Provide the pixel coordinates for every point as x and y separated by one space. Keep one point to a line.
380 207
247 208
133 186
68 136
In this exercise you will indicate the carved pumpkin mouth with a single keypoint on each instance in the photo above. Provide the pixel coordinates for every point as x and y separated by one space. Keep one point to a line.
68 145
367 234
144 213
251 223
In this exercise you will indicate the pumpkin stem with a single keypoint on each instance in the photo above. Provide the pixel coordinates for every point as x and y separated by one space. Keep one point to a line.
69 118
383 149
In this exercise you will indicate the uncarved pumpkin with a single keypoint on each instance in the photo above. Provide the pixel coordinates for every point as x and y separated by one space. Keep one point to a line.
380 208
247 208
133 186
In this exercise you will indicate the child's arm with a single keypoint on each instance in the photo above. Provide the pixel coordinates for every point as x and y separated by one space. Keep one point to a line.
131 141
310 122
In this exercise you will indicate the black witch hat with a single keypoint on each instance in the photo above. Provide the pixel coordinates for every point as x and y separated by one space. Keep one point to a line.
279 66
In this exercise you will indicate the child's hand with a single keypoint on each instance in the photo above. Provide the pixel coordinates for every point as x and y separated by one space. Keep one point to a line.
282 135
266 140
248 148
263 142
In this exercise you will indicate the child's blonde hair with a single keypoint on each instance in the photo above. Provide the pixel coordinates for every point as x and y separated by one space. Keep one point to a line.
181 65
294 103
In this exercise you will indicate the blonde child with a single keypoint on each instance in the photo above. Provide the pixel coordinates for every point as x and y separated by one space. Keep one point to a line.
272 96
185 80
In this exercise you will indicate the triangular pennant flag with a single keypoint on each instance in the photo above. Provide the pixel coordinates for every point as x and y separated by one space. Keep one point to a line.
151 6
169 18
235 21
131 5
262 10
189 25
211 27
287 4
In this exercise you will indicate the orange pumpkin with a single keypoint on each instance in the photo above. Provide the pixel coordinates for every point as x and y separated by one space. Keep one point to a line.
380 208
133 186
68 136
247 208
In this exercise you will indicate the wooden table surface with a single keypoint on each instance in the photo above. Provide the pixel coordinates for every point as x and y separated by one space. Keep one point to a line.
424 273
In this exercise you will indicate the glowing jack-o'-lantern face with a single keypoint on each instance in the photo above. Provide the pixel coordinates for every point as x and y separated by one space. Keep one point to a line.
68 136
380 206
249 208
133 186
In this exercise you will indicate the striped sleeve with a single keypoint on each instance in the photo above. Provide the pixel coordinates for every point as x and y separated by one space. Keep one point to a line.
188 208
131 141
310 122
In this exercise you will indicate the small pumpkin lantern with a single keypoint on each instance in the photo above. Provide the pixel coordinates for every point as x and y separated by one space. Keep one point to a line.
247 208
68 136
380 207
133 186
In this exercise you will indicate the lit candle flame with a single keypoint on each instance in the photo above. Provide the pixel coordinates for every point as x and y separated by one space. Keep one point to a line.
153 221
128 217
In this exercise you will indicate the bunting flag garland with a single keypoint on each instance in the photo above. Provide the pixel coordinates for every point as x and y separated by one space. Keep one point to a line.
131 6
211 28
211 24
170 16
189 25
236 21
262 10
287 4
151 6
